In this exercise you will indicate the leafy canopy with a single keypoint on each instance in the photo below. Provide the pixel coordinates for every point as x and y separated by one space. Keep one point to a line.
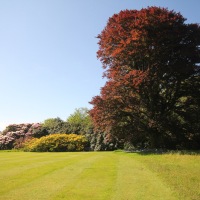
151 59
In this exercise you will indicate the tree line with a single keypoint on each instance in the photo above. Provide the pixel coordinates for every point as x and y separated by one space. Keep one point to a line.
56 130
151 98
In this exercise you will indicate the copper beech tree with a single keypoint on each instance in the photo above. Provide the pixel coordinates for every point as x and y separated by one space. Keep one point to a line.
152 95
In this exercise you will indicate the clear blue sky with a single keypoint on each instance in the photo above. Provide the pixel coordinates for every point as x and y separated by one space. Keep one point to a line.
48 64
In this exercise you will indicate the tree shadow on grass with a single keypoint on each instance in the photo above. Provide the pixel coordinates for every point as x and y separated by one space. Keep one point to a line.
145 152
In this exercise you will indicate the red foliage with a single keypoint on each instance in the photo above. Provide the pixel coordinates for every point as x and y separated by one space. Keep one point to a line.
147 55
140 39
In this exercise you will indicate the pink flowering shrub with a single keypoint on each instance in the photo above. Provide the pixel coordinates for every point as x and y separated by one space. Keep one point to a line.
6 141
15 134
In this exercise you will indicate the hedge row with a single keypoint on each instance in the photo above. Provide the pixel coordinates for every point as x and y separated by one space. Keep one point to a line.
57 143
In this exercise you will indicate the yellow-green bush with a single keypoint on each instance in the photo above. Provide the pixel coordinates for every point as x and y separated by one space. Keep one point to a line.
56 143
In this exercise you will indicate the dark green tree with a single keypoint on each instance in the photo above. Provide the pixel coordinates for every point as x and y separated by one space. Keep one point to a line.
55 125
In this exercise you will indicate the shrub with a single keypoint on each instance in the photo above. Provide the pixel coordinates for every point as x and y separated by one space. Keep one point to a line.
57 143
16 134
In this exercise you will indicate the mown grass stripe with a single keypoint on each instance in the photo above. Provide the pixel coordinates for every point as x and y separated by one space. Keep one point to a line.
137 182
180 172
17 178
95 182
98 176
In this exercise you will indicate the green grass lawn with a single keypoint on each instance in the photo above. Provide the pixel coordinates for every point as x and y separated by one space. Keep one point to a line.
98 176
